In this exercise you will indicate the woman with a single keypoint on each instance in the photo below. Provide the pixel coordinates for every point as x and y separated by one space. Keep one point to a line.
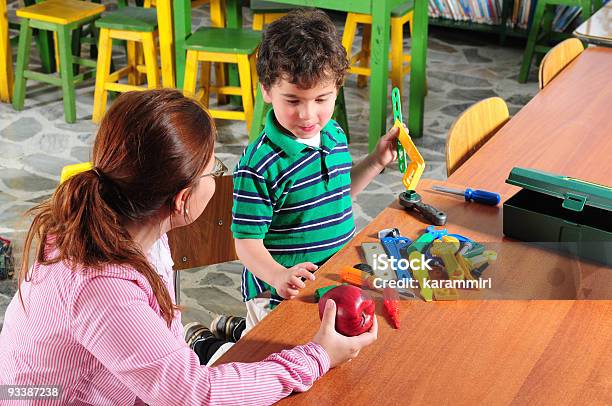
96 316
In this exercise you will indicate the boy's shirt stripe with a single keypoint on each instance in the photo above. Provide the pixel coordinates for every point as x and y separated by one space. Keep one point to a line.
305 204
293 168
301 225
294 197
307 181
313 246
247 173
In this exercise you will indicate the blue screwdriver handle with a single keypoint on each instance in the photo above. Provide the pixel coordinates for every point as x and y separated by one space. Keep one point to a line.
482 196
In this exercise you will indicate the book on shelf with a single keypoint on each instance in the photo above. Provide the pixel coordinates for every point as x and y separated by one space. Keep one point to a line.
490 12
565 15
479 11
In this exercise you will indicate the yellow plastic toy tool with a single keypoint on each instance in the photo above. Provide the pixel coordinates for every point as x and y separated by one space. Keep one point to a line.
414 170
421 275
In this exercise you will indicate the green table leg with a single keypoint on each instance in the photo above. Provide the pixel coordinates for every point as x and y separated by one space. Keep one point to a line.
418 66
532 39
259 115
340 114
67 73
233 19
182 28
503 29
379 63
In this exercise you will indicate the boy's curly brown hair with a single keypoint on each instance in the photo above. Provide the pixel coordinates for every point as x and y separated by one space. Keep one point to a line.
303 48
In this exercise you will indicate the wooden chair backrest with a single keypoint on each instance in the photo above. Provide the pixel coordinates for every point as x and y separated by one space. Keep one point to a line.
472 129
208 240
558 58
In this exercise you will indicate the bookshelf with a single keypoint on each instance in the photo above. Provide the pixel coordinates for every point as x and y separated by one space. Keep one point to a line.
500 28
502 17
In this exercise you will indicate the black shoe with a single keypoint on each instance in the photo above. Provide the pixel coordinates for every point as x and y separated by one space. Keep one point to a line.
196 333
228 328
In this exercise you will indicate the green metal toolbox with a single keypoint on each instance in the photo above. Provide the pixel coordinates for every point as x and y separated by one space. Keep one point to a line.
575 214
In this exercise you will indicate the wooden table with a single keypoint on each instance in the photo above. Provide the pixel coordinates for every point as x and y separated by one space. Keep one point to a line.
381 12
597 29
471 351
565 128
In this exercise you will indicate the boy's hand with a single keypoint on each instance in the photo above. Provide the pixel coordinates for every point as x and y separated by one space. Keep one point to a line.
289 282
386 149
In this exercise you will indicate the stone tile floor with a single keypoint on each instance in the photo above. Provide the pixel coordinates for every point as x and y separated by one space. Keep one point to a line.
463 67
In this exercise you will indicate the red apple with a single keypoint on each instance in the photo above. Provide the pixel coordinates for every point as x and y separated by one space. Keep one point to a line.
355 309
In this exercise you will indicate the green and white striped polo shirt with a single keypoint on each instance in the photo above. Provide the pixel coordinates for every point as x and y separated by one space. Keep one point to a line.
295 197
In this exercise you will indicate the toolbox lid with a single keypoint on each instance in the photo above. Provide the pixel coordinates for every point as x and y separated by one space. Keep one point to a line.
575 193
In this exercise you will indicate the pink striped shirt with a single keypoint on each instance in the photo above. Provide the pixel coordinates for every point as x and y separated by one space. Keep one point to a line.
100 337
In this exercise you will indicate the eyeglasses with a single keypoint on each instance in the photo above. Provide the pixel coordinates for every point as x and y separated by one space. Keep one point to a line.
218 170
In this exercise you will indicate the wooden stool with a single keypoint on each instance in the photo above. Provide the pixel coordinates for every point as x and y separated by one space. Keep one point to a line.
166 39
359 63
82 35
228 45
134 25
541 29
265 12
62 17
6 57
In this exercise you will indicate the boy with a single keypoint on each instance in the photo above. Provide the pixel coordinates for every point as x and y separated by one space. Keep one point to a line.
294 184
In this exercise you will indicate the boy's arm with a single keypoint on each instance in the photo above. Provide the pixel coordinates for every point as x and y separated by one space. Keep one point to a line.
256 258
366 170
251 217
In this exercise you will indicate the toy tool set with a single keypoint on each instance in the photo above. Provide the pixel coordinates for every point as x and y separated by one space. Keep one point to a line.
412 171
435 255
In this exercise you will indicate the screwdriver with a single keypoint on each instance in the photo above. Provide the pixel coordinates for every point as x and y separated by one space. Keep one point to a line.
478 196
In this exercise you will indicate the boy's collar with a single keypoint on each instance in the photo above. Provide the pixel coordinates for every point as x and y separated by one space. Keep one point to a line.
288 144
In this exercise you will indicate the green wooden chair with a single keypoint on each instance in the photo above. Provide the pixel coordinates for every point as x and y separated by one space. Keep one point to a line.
61 17
541 33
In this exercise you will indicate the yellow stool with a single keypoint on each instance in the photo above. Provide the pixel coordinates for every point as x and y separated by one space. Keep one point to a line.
262 19
400 63
217 19
227 45
6 57
265 12
166 40
136 26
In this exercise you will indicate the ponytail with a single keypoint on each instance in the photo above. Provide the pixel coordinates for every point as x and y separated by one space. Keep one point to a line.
150 146
87 231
